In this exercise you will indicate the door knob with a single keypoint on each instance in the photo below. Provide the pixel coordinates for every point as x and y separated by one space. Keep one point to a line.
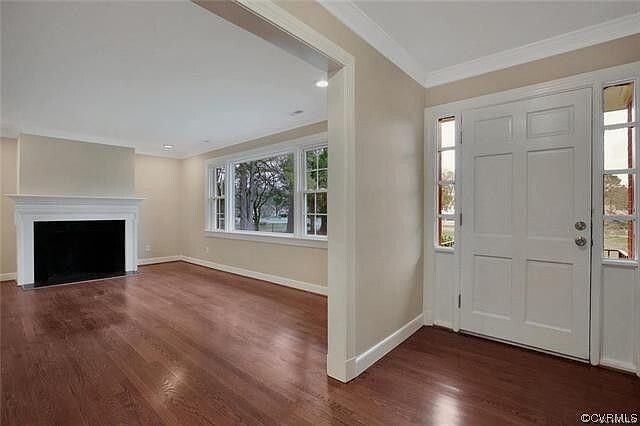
580 241
580 225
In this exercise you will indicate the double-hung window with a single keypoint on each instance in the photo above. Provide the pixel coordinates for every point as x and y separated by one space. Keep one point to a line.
315 190
278 192
445 182
619 180
216 197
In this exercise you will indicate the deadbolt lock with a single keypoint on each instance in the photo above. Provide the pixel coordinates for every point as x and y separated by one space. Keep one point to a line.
581 241
580 225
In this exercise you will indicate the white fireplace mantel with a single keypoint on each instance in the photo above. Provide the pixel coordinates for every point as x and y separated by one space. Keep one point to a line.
43 208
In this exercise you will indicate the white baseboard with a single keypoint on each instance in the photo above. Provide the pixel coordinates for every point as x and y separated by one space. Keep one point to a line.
618 365
427 317
154 260
288 282
366 359
9 276
443 324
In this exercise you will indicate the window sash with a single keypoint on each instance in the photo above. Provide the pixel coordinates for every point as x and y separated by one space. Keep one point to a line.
312 215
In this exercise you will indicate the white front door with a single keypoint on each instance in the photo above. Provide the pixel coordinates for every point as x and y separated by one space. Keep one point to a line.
526 182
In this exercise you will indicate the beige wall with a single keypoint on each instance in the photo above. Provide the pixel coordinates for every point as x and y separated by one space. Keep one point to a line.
50 166
615 52
158 181
389 149
8 185
299 263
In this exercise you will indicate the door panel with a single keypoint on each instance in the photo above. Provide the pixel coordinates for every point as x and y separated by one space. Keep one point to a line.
526 181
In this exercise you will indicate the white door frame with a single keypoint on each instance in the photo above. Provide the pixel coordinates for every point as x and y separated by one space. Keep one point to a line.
594 80
342 172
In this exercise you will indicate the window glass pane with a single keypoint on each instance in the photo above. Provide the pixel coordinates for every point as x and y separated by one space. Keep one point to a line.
446 199
321 224
619 239
317 224
618 104
619 148
446 232
447 165
219 182
619 194
264 195
447 132
220 213
312 180
311 219
321 202
322 179
323 158
311 160
311 202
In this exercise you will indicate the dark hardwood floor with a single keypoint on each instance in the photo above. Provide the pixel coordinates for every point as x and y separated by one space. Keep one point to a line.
181 344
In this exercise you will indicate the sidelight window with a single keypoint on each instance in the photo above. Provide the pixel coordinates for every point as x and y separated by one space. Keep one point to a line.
445 182
619 181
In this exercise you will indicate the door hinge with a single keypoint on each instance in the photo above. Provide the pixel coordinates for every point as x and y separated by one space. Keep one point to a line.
460 136
460 220
459 300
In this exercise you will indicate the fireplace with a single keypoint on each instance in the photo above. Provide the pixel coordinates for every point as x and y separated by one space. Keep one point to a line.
70 251
63 239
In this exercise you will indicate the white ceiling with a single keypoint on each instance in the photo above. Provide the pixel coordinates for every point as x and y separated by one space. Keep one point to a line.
428 37
144 74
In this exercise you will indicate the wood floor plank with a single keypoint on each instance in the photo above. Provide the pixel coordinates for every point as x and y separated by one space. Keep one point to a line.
179 344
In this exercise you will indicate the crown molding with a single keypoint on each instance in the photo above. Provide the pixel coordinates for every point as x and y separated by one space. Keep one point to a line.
360 23
584 37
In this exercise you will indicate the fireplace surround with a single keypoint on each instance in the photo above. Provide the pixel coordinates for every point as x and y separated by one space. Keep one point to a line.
32 209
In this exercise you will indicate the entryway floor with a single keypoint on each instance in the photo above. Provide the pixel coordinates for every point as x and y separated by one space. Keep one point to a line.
181 344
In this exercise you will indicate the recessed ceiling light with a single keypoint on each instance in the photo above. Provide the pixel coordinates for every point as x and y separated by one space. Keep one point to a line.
296 112
167 147
322 83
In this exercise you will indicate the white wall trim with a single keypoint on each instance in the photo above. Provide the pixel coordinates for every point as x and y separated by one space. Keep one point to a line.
269 238
342 271
618 365
386 345
9 276
427 317
584 37
361 24
154 260
287 282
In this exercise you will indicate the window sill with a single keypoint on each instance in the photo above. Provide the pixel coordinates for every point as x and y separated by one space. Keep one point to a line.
439 249
622 263
269 238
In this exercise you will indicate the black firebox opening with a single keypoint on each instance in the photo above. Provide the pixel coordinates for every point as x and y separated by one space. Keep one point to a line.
69 251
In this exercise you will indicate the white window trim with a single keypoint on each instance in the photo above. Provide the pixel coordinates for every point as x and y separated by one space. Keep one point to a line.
297 147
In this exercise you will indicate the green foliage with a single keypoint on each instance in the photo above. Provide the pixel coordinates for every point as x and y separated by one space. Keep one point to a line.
616 195
264 188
